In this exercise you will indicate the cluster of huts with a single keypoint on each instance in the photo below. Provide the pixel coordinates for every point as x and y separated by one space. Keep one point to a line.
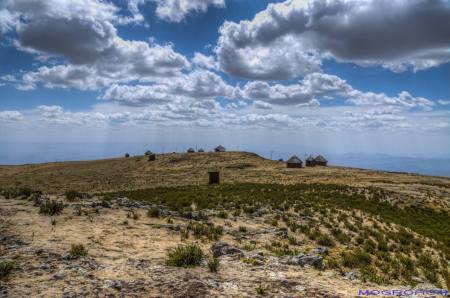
152 156
219 148
295 162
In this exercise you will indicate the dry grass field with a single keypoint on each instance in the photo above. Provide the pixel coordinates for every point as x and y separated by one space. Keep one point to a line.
191 169
128 227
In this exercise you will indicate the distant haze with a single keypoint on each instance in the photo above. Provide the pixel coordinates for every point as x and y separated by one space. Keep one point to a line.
22 153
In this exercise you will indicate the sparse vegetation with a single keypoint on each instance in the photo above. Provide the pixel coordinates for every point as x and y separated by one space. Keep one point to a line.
210 231
356 259
189 255
78 250
6 267
213 265
72 195
260 290
51 207
376 233
153 212
325 240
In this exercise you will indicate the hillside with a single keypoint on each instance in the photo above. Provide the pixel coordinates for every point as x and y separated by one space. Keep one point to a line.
191 169
112 228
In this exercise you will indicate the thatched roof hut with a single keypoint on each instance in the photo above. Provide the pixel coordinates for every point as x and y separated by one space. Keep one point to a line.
220 148
191 150
310 161
320 161
294 162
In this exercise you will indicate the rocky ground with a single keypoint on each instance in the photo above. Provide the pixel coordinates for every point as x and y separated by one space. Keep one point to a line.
276 232
127 252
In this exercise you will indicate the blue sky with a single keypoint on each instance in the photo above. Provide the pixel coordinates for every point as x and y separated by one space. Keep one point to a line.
312 76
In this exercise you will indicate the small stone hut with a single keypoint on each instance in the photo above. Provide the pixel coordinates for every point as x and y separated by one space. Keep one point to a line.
220 148
214 177
151 155
294 162
320 161
310 161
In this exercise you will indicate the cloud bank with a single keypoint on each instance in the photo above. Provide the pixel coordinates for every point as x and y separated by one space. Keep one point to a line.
292 38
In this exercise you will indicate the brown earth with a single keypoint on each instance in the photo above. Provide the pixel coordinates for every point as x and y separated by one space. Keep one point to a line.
235 167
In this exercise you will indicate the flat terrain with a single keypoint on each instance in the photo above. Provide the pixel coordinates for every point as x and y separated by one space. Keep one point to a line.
276 232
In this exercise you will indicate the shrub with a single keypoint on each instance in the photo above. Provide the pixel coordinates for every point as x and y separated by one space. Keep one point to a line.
209 231
153 212
369 273
222 214
133 215
260 290
369 246
6 267
51 207
189 255
242 229
356 259
213 265
72 195
293 241
429 267
78 250
184 234
237 212
325 240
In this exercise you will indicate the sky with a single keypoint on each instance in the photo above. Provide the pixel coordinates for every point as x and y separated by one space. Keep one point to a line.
296 76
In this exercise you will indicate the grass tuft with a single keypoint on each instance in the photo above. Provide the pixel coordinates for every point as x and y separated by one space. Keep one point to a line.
78 250
51 207
189 255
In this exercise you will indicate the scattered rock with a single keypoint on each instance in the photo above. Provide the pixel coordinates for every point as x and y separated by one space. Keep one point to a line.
303 260
222 248
58 276
194 215
259 255
70 295
282 232
193 289
102 203
320 250
125 202
113 284
352 275
45 266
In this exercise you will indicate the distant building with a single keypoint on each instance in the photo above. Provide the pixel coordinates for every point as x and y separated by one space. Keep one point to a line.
191 150
220 148
201 150
151 155
214 177
320 161
310 161
294 162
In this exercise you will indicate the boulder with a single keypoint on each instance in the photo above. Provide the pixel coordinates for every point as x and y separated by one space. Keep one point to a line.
320 250
222 248
282 232
303 260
